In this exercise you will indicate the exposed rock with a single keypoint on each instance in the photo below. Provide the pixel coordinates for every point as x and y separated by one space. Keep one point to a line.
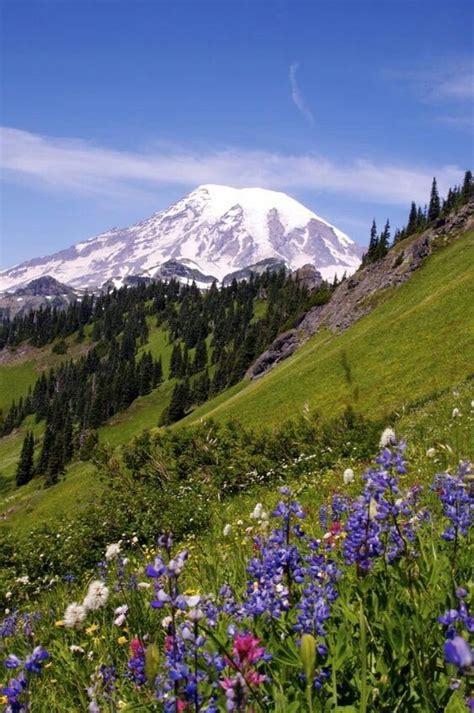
283 346
37 293
359 294
307 276
271 264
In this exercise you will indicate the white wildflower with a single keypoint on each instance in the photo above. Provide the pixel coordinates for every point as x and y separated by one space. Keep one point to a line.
22 580
227 530
431 452
74 615
76 649
97 595
112 551
456 413
166 621
120 615
472 404
8 595
256 514
144 585
134 540
348 476
388 437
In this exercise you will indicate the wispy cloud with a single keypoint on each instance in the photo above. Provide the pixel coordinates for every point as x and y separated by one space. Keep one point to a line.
80 167
297 96
449 81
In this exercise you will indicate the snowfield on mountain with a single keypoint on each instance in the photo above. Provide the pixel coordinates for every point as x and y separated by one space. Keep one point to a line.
213 231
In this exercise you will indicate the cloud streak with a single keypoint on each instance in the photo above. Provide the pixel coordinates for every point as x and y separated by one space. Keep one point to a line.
80 167
297 96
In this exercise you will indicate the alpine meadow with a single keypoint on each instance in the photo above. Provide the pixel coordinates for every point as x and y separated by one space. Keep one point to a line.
236 437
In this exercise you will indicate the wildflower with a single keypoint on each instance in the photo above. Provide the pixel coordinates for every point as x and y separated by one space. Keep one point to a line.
22 580
458 652
247 650
143 585
431 452
388 437
348 476
456 413
112 551
136 663
12 661
97 596
76 649
122 640
74 615
227 530
34 661
457 500
120 615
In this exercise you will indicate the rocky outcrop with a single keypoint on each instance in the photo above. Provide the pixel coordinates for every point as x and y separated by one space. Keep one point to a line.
38 293
283 346
307 276
362 292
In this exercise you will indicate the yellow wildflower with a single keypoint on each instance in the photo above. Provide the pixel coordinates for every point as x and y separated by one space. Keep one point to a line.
92 628
122 640
59 623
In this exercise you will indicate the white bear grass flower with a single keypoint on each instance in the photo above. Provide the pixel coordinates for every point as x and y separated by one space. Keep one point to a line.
388 437
112 551
96 596
74 615
348 476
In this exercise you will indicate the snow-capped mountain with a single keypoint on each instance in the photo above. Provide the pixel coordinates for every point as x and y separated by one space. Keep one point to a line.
211 232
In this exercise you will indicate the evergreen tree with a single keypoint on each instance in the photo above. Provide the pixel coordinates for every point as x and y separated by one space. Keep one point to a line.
176 361
384 241
467 187
200 356
412 219
145 374
371 253
179 402
25 467
434 208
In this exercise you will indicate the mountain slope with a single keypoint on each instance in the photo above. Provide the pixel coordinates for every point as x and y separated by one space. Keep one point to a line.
418 340
213 231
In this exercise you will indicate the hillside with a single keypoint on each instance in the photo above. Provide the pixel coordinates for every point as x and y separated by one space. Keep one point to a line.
286 523
380 364
421 327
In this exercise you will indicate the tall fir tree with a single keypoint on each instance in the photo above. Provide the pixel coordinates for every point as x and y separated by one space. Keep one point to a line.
434 208
25 467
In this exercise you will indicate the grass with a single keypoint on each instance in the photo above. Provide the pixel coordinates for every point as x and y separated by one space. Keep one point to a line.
419 341
20 367
15 381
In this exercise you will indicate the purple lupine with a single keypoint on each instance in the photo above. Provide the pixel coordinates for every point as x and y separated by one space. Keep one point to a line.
457 651
381 522
457 498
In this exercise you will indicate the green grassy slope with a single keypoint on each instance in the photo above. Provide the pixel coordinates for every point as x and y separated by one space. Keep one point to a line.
418 341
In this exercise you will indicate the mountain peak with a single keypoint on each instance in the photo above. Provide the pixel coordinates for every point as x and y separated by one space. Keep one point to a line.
214 230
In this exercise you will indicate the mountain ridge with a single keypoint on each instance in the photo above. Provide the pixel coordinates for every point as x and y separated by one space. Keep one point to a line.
215 230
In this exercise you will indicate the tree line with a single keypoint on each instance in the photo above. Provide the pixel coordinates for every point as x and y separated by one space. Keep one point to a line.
419 218
215 336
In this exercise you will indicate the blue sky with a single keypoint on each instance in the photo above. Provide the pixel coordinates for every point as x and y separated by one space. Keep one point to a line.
112 110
